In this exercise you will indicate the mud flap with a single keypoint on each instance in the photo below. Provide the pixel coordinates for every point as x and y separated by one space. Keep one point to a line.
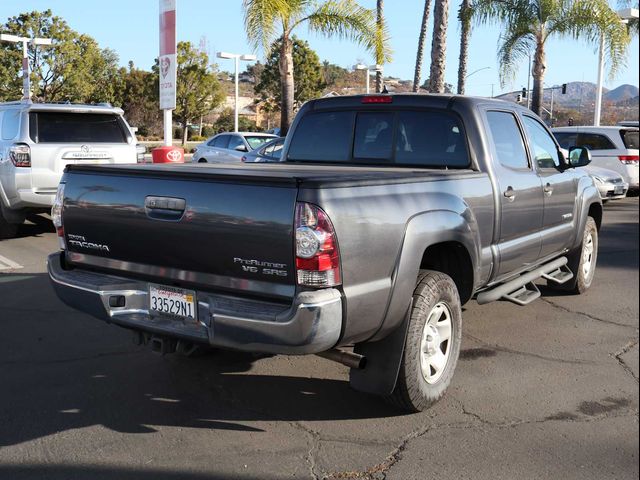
383 362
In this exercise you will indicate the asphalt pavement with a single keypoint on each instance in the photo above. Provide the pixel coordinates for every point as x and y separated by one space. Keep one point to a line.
547 391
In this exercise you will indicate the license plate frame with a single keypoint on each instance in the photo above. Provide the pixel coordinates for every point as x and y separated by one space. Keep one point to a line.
618 190
174 302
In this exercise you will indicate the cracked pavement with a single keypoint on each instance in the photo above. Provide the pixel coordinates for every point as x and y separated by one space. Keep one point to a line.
541 392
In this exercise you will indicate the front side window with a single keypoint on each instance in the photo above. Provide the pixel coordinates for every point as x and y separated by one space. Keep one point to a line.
63 127
507 140
544 149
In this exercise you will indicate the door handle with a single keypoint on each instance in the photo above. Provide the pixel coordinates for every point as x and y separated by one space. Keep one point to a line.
510 194
548 189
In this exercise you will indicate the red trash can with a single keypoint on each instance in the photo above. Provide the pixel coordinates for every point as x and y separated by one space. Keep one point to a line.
167 155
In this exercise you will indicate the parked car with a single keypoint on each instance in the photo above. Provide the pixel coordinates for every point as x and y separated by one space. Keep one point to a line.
269 152
229 147
614 148
610 184
388 213
38 140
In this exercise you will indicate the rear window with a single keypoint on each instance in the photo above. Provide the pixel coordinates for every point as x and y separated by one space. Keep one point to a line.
409 138
62 127
594 141
566 139
630 138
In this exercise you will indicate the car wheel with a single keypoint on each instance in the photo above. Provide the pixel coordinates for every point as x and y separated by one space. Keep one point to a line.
7 230
582 261
432 345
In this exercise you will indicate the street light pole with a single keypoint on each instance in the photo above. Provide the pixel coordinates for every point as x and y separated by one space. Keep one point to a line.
236 57
369 69
26 81
625 15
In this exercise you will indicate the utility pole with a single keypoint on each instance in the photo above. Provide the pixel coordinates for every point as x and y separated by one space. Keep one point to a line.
26 81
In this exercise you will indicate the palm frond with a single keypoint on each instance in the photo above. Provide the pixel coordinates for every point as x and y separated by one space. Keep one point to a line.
262 19
515 44
589 19
345 19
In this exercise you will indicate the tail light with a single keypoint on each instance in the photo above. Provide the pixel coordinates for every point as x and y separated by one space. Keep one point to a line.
56 215
20 155
628 159
317 253
244 158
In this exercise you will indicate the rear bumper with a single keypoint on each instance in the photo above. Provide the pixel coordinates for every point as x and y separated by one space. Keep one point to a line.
311 324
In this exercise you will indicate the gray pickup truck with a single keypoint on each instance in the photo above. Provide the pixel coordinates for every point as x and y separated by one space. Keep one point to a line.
387 214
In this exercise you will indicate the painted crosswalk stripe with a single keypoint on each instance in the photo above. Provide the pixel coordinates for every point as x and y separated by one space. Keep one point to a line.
6 264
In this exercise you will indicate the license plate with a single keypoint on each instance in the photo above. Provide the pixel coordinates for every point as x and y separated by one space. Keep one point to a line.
618 190
176 302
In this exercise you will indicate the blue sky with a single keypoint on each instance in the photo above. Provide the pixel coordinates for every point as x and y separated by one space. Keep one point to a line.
130 27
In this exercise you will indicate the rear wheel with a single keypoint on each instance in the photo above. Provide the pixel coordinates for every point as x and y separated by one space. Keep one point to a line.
7 229
432 345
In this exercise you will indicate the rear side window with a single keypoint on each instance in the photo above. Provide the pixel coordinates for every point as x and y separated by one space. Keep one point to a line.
507 139
234 142
62 127
593 141
567 139
221 141
630 138
427 138
10 124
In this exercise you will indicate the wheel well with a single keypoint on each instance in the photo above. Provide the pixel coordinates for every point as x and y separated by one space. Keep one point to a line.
202 160
453 259
595 211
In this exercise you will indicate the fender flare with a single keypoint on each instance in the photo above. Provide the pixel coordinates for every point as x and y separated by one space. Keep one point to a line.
588 195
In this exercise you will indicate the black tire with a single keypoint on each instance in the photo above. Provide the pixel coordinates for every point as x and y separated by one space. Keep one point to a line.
581 280
412 391
7 230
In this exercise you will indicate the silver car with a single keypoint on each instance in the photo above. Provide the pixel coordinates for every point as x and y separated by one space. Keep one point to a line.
270 152
37 142
613 148
229 147
610 184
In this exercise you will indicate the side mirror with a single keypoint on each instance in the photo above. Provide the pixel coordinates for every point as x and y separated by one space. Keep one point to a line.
579 157
241 148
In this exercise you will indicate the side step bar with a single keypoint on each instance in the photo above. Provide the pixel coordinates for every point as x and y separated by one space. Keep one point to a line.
522 290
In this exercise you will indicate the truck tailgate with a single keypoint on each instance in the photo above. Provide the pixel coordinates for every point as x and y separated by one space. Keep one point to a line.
214 232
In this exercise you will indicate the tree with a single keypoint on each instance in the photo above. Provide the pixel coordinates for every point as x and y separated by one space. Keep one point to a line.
307 75
421 40
464 16
439 46
448 88
267 20
383 53
528 24
139 99
74 68
226 123
198 91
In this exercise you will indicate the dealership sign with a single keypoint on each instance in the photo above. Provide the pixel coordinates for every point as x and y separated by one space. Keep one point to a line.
167 59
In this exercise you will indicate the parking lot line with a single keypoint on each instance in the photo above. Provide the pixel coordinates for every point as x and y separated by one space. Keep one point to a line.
7 264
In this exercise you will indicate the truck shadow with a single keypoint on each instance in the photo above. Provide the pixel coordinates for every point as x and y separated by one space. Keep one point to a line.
93 375
35 226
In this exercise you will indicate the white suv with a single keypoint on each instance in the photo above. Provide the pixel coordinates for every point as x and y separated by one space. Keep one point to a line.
37 141
614 148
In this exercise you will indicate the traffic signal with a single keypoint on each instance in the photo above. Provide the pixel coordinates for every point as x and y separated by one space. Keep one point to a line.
564 88
524 93
519 98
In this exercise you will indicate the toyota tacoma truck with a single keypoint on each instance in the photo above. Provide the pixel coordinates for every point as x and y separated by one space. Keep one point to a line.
387 214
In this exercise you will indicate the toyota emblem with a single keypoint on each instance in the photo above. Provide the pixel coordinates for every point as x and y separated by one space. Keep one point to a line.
174 155
85 148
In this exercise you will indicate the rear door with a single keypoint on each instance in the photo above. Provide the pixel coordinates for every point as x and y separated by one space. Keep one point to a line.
520 191
559 188
62 138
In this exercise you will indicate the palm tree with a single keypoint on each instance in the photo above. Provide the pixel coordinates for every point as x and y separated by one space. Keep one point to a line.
380 44
464 16
268 20
421 39
528 24
439 46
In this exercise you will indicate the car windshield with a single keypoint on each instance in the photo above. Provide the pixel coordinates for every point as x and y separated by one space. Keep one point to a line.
425 138
257 141
63 127
630 138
